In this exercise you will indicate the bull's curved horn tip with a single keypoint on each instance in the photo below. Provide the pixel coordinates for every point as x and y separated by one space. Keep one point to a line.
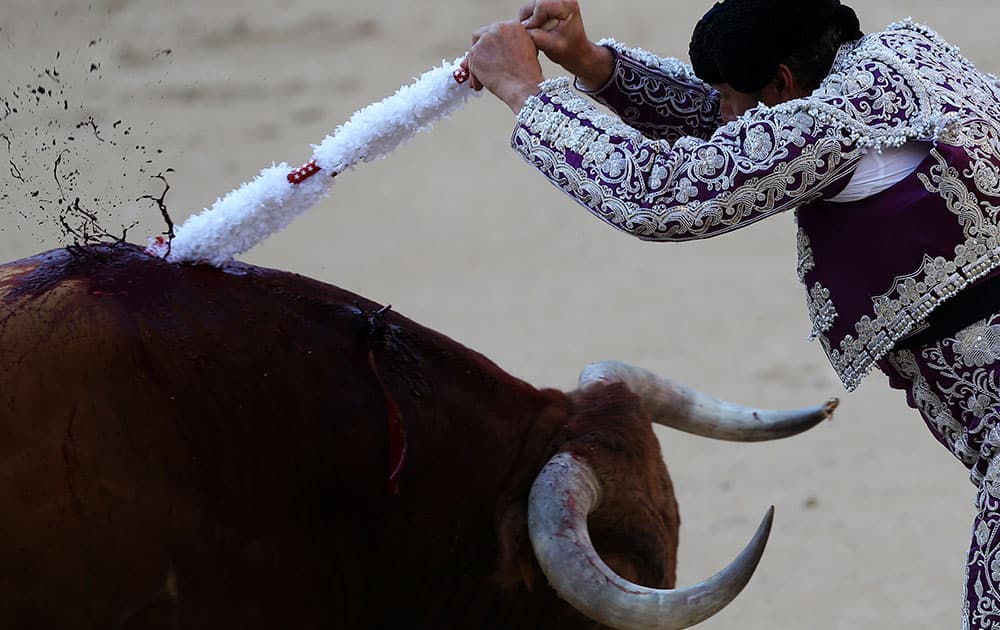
831 406
563 494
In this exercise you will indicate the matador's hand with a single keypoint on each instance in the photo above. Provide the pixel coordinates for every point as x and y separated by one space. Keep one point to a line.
556 27
504 60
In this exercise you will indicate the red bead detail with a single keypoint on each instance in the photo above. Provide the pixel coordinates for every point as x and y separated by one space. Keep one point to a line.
461 75
304 172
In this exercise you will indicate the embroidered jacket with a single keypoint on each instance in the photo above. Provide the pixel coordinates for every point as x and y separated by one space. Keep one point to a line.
669 170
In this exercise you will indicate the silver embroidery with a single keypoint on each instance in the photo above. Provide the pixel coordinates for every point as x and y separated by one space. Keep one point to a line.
955 384
935 411
758 145
822 312
914 296
982 605
692 189
665 98
665 65
978 345
806 260
911 299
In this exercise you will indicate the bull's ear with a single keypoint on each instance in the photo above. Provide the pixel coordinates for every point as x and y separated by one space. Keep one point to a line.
516 563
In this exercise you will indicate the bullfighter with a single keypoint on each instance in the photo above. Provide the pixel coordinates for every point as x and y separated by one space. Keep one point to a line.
886 146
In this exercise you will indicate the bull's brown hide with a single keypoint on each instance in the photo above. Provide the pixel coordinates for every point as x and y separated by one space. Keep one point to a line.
191 447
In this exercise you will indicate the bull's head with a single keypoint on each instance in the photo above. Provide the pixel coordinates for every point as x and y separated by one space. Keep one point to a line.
568 490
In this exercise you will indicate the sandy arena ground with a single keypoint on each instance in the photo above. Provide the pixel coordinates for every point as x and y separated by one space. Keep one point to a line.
456 232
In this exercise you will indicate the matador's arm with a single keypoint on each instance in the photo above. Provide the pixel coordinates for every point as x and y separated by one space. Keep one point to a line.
659 96
767 161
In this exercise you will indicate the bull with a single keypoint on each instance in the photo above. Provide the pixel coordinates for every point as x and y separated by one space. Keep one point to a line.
192 447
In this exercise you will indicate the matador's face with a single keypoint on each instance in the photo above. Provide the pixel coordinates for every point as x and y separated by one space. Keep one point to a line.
734 104
784 86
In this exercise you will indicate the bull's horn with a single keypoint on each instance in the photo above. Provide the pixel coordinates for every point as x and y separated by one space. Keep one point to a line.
563 494
674 405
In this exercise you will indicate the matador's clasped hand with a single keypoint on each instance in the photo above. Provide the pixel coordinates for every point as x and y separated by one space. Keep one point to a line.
503 59
556 27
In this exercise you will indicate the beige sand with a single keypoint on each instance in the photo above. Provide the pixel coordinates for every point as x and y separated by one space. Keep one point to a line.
455 231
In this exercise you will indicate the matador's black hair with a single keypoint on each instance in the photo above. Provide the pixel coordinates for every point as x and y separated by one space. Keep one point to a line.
741 42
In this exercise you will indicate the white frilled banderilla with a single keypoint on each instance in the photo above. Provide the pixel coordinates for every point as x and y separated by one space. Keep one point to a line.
246 216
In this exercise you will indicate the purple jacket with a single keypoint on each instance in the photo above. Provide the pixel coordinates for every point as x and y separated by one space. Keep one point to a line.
668 170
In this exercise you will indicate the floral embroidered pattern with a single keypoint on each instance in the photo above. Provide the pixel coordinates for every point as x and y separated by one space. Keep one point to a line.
978 345
690 190
758 144
807 261
937 411
821 310
955 385
662 96
982 579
